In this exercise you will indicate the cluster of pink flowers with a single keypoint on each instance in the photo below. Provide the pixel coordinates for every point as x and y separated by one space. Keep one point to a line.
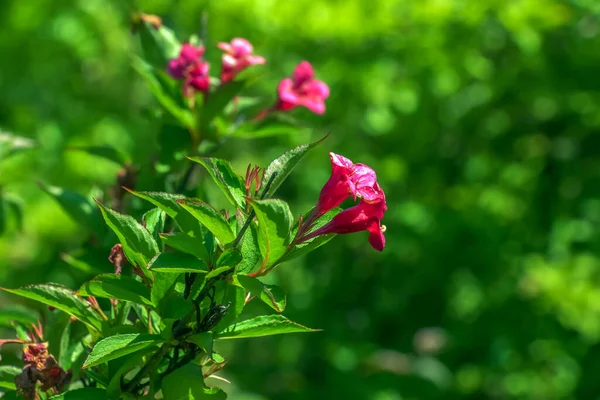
302 89
349 179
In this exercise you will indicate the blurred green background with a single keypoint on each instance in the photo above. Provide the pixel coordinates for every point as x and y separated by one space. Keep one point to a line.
481 119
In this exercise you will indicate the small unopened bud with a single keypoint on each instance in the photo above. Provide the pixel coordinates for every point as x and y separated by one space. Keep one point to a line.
117 258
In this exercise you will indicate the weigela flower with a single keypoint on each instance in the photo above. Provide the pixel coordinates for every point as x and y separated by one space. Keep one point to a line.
363 217
188 66
197 78
347 179
188 56
302 90
238 56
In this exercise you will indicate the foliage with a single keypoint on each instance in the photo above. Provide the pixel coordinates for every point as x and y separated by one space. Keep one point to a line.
480 120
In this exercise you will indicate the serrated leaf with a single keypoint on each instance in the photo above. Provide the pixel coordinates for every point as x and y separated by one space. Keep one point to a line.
231 184
271 295
211 219
234 297
249 247
107 152
78 207
138 244
281 167
117 346
154 221
265 325
187 244
274 225
176 262
163 283
169 203
229 258
113 286
187 383
61 298
7 376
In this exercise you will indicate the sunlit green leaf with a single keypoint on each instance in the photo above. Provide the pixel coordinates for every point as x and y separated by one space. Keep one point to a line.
117 346
138 244
265 325
274 225
61 298
7 376
187 244
281 167
176 262
116 287
271 295
230 183
187 383
211 219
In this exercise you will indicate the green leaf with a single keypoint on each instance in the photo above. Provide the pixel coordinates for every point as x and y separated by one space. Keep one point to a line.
187 244
265 325
234 297
204 340
217 100
250 131
281 167
138 244
187 383
217 272
231 184
14 207
176 262
80 264
271 295
11 313
61 298
117 346
78 207
249 247
182 115
159 44
154 221
11 144
229 258
163 283
274 225
112 286
7 376
211 219
313 243
107 152
169 203
82 394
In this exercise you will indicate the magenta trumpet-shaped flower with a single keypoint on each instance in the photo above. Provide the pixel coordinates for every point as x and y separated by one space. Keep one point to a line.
237 57
302 89
347 179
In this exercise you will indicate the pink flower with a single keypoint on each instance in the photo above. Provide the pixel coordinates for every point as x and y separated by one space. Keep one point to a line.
197 78
238 56
302 90
348 179
188 56
362 217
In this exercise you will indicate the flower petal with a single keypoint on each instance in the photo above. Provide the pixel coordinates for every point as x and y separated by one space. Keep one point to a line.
303 72
286 92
